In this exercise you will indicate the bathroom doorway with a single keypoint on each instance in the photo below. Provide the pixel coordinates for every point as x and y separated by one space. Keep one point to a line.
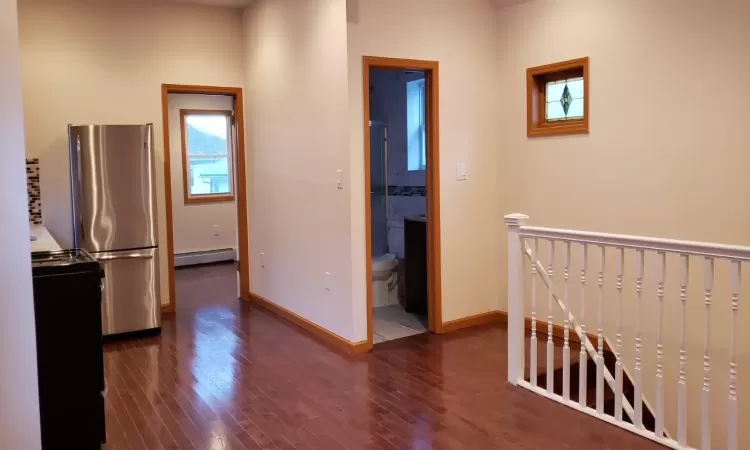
401 145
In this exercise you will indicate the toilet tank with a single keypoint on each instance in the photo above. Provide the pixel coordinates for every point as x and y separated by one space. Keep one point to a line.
396 238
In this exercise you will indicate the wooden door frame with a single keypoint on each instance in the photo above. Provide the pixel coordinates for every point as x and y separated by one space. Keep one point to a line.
432 175
243 246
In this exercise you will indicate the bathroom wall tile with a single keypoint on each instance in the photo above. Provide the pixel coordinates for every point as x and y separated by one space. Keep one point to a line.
407 191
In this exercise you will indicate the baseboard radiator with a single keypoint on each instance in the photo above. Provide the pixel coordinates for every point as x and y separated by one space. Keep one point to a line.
204 257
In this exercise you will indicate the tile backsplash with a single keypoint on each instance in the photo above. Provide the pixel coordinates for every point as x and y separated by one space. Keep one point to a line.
34 191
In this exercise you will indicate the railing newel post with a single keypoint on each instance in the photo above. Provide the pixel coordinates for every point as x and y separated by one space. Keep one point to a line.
514 222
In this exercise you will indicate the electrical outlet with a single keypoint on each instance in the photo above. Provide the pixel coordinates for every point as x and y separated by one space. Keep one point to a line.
262 260
327 282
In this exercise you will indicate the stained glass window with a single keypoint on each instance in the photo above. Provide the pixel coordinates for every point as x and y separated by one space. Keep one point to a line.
564 100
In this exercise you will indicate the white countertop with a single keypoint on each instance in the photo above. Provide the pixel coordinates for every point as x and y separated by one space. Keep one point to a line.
44 241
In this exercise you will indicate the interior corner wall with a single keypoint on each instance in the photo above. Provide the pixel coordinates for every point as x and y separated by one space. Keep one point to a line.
296 133
19 395
461 36
666 156
103 62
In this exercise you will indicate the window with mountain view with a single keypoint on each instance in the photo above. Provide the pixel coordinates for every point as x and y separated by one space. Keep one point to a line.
207 155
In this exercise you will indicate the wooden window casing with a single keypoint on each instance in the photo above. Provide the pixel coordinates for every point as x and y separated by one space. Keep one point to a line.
536 89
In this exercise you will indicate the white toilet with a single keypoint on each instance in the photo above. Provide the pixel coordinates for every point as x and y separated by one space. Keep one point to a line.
384 273
384 280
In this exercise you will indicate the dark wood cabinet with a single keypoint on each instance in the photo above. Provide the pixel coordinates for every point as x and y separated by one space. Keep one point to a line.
415 253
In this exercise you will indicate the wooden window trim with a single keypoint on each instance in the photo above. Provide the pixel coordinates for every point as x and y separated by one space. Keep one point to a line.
536 80
206 198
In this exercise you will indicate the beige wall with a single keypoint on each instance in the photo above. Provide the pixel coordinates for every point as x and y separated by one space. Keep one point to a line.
104 62
195 226
461 35
666 156
296 115
19 396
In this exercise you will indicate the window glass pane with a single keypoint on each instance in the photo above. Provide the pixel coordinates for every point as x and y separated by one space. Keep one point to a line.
555 111
555 91
576 109
576 87
423 165
206 134
415 125
209 175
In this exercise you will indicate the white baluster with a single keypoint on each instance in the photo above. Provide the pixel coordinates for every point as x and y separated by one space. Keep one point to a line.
708 286
550 329
583 357
566 344
659 419
732 422
618 352
637 399
533 348
682 386
516 338
600 338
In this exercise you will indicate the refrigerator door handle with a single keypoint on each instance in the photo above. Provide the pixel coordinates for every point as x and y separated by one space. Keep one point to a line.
127 256
80 190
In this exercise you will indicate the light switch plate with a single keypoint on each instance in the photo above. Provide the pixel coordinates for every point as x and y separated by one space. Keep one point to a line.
340 179
461 173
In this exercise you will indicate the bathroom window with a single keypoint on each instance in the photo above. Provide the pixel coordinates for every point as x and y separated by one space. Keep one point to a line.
207 155
557 98
416 139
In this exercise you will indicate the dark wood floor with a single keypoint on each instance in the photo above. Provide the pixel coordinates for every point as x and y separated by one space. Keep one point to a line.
223 375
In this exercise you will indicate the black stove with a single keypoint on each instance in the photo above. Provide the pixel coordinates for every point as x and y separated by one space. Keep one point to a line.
62 261
67 312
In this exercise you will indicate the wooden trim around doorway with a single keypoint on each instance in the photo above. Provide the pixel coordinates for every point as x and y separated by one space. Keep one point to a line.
241 174
431 69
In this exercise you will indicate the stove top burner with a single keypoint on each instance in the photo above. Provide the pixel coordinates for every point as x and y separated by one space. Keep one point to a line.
59 258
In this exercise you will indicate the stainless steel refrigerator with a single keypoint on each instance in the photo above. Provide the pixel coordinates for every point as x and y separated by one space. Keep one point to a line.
115 219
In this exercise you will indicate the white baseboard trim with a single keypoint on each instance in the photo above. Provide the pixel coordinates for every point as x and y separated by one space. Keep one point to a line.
204 257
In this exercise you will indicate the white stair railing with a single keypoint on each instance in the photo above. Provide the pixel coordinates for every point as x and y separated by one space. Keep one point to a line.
519 235
587 347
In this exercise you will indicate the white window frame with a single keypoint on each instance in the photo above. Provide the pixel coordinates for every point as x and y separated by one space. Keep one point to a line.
422 127
186 157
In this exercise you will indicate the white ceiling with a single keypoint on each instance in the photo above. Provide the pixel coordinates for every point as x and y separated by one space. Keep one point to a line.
500 4
222 3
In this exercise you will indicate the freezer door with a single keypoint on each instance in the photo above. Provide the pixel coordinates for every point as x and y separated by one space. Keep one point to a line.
113 186
130 290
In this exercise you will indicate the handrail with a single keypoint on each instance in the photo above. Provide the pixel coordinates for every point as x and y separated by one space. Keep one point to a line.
735 252
590 349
